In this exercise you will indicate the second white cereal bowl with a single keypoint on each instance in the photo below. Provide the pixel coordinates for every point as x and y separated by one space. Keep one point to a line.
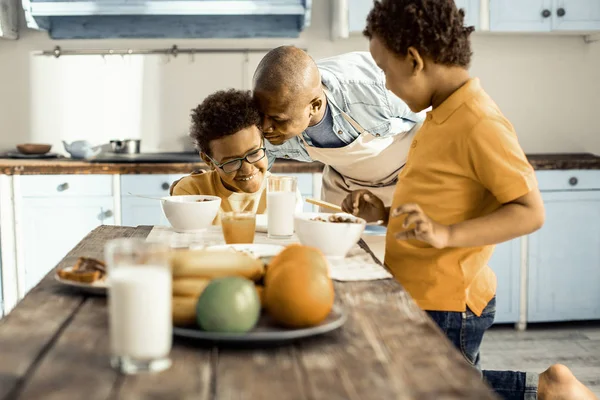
334 239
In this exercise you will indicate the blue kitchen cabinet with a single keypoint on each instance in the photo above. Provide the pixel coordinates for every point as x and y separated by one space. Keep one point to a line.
359 9
544 15
564 257
506 263
472 11
138 211
521 16
576 15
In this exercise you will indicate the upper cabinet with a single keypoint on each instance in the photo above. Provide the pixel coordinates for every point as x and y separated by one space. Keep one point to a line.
472 11
544 15
101 19
356 11
8 19
574 16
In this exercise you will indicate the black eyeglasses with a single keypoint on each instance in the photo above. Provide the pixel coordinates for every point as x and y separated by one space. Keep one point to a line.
232 166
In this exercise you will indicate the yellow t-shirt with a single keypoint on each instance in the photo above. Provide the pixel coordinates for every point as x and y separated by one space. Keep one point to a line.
464 163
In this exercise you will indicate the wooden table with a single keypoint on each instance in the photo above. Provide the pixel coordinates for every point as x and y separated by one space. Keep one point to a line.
54 345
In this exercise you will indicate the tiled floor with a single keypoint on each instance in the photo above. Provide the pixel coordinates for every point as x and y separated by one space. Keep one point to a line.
576 345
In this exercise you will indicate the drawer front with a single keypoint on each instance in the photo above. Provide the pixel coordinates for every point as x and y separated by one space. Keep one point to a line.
66 185
151 185
568 180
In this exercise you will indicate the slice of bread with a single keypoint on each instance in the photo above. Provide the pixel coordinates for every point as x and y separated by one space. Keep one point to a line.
80 276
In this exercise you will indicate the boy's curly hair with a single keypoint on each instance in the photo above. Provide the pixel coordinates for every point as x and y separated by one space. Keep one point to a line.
221 114
434 27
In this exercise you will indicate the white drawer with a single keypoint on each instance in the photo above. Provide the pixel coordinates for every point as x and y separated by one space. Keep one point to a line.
151 185
578 179
65 185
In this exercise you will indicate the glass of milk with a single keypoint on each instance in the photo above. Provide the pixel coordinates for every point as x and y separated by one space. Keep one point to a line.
281 206
139 305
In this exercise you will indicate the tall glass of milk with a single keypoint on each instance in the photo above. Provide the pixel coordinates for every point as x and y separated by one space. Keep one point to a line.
139 305
281 205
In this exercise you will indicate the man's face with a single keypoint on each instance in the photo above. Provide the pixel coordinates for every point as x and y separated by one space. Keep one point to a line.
400 76
282 119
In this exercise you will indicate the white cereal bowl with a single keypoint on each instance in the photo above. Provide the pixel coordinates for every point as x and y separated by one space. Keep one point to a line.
187 214
334 239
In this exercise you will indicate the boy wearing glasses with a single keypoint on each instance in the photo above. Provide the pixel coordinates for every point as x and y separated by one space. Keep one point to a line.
225 132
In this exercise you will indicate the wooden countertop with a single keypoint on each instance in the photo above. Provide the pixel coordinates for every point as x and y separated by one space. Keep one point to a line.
55 345
68 166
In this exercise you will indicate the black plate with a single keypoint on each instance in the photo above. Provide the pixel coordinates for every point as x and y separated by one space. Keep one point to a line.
266 332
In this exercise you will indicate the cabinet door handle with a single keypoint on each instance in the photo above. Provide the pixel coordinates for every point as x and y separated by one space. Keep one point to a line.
546 13
165 186
62 187
573 181
561 12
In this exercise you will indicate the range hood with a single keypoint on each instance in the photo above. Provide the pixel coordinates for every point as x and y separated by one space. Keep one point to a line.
108 19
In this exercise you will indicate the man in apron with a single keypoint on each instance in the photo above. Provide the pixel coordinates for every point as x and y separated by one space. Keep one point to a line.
336 111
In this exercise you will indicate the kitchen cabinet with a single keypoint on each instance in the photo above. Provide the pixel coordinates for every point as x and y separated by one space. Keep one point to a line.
52 214
544 15
357 11
52 226
506 263
576 15
564 258
138 211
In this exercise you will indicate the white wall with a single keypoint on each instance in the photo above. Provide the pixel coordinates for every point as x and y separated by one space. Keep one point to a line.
548 86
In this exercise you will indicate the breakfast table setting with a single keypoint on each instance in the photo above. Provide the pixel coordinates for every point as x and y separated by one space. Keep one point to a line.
160 312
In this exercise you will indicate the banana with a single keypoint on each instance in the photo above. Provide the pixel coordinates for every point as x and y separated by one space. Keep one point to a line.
211 264
189 287
184 310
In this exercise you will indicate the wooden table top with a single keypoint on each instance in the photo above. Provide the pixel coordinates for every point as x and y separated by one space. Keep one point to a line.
54 345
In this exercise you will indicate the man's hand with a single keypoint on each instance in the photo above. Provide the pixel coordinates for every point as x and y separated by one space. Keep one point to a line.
365 205
425 229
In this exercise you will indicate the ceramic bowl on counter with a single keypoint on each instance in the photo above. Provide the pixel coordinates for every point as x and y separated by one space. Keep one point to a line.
33 148
334 239
190 213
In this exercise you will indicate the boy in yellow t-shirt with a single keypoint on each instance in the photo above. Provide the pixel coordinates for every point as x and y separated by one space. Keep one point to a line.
225 132
466 185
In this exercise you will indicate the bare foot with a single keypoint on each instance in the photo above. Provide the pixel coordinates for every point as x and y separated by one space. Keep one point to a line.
559 383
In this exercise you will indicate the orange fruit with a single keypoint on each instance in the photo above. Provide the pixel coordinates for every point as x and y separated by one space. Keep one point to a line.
296 256
299 292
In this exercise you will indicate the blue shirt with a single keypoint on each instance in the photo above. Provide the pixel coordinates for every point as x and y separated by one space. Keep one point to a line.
356 86
322 134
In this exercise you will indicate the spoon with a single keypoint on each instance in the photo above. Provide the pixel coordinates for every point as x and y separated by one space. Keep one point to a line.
144 197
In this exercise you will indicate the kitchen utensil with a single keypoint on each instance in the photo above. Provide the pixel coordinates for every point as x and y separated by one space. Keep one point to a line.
145 197
325 204
126 146
33 148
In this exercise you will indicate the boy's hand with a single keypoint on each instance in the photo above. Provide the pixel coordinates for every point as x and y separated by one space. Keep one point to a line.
425 229
365 205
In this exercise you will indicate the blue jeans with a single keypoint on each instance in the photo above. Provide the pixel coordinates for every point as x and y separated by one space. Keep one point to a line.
465 330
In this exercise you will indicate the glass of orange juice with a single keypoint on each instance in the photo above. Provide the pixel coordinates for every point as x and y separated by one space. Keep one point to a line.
238 226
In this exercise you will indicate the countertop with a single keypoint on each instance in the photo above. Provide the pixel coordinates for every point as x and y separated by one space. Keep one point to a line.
68 166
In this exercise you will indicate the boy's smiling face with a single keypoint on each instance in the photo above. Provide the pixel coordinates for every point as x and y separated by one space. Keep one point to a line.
404 76
249 177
